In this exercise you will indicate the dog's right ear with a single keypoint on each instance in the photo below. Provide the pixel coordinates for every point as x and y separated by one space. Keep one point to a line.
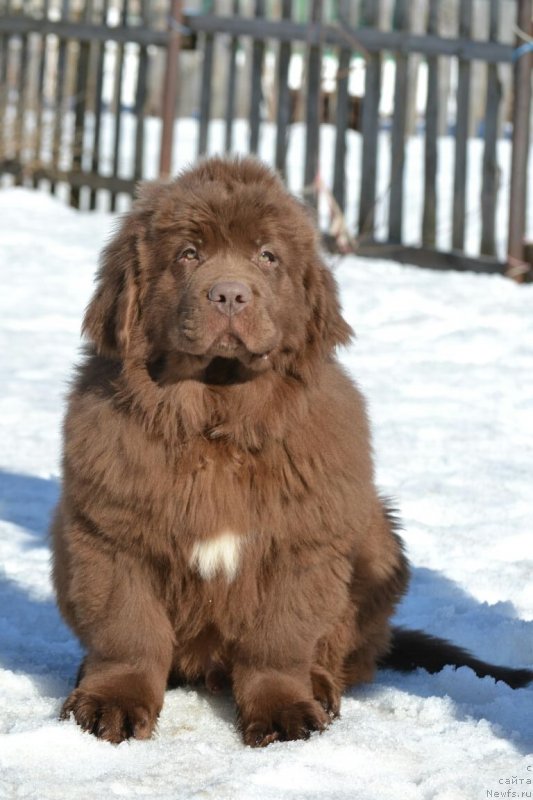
114 309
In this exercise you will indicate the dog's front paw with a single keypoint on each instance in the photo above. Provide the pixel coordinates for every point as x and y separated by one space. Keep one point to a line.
295 721
112 713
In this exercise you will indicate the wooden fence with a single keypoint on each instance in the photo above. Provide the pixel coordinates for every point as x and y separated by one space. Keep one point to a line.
75 78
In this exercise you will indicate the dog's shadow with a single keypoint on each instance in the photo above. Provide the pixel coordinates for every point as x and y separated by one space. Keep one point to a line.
35 642
33 639
493 633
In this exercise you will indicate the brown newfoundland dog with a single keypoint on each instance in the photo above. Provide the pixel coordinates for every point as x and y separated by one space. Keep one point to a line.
219 518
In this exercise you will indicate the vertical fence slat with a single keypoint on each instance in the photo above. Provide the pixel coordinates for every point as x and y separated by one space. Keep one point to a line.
283 115
39 114
232 82
399 120
98 99
20 114
140 98
312 111
461 132
258 54
80 106
341 117
521 142
489 189
205 94
429 217
170 88
4 87
59 93
119 74
370 127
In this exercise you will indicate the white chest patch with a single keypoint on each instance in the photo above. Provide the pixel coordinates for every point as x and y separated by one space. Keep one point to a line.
221 553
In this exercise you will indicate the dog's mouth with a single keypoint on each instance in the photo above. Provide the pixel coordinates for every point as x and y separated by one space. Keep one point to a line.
228 344
206 332
230 340
226 371
231 361
231 345
213 369
227 359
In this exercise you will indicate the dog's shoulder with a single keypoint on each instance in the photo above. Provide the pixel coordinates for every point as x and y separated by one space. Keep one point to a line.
95 375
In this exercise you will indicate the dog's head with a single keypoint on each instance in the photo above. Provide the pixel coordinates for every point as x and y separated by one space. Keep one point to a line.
221 263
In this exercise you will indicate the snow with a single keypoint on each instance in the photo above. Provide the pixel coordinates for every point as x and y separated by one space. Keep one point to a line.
446 362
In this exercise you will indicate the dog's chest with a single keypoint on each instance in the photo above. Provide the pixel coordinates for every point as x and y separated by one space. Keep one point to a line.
231 503
218 555
218 509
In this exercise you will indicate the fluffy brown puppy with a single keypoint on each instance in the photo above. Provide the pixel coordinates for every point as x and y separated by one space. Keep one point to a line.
219 518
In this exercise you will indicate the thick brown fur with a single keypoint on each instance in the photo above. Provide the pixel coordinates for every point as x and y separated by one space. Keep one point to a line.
219 518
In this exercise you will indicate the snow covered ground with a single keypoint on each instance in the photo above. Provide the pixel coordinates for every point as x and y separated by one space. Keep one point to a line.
446 361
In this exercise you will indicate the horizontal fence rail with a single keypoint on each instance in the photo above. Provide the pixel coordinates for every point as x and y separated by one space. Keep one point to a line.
365 39
261 29
84 32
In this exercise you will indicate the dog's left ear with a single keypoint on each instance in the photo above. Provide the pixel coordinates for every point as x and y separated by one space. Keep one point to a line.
114 308
326 327
111 313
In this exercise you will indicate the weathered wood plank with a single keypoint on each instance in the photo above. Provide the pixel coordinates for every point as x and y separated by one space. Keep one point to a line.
95 157
22 95
341 118
370 39
521 141
283 112
58 100
170 87
489 188
370 125
140 98
66 29
119 75
258 54
429 258
312 112
205 93
399 119
77 179
80 106
461 133
39 100
5 139
232 83
429 217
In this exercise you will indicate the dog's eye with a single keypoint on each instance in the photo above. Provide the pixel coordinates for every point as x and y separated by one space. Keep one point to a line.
189 254
266 257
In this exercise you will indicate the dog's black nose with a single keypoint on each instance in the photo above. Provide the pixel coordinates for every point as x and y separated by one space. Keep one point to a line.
231 297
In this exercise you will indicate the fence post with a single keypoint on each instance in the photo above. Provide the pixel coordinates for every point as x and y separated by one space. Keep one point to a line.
312 110
283 117
521 114
489 186
429 219
370 128
232 82
399 120
461 131
170 87
258 57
